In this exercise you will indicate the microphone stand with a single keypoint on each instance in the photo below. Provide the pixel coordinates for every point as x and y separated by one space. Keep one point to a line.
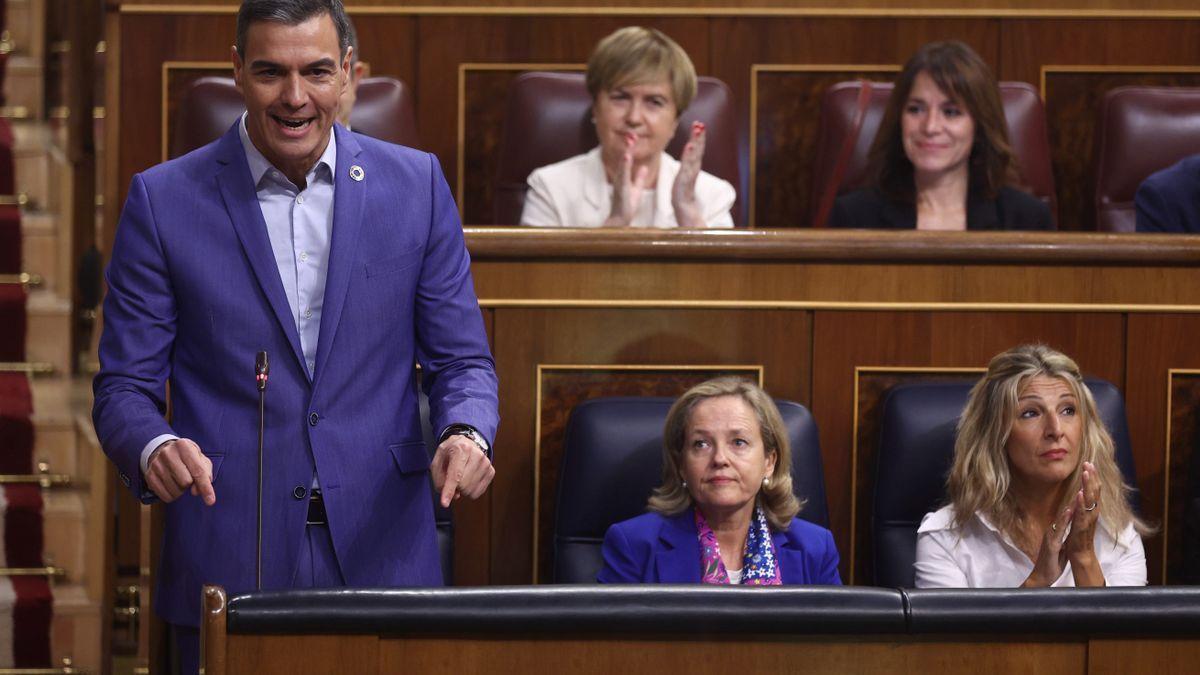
261 369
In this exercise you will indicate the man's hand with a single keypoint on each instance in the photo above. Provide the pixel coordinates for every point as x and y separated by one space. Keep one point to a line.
178 465
459 468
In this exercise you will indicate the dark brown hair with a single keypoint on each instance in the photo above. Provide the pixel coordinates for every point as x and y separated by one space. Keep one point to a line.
963 76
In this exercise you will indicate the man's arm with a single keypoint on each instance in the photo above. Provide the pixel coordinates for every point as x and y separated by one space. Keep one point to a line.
135 350
458 372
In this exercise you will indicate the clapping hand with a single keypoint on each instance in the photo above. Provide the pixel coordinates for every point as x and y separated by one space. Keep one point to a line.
683 193
627 188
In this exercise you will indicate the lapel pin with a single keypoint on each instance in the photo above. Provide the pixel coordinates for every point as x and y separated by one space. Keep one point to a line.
356 172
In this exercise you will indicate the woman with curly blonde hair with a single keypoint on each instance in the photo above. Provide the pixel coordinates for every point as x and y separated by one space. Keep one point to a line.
1036 497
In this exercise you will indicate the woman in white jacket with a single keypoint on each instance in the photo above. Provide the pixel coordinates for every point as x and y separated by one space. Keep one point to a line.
640 81
1036 497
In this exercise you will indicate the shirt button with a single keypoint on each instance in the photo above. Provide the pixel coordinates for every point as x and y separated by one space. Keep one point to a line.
303 256
313 418
299 492
300 199
311 365
308 313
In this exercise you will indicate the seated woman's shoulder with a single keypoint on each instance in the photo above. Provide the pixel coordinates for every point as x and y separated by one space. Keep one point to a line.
859 209
1023 211
935 521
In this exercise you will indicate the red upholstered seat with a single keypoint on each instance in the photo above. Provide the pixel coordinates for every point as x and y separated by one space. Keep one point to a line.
10 240
839 106
16 429
548 119
1142 130
210 105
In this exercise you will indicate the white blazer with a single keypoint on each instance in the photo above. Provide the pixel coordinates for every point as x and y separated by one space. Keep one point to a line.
576 193
979 555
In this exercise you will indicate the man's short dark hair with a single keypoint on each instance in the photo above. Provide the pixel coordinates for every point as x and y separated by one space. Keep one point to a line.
291 13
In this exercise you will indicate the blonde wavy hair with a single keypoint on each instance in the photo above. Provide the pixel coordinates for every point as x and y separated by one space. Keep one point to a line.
980 478
776 498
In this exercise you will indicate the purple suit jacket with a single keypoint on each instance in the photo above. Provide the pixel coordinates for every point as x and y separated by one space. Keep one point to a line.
194 292
653 548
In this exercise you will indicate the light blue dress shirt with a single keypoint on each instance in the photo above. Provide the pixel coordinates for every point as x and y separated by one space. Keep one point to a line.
300 226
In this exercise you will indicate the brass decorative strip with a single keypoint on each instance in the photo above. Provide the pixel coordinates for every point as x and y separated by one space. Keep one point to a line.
14 112
30 367
59 47
835 305
48 571
27 279
60 112
46 480
98 112
1101 69
1166 511
769 12
19 199
67 668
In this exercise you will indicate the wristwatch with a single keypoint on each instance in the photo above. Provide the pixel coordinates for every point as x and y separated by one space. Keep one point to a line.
469 432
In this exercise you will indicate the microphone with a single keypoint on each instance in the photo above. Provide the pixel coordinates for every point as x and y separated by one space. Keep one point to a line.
261 369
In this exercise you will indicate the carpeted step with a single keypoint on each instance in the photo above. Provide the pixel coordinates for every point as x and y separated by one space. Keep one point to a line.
16 426
10 240
12 322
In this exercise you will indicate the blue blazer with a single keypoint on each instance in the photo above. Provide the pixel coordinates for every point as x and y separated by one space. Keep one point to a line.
653 548
1169 200
194 292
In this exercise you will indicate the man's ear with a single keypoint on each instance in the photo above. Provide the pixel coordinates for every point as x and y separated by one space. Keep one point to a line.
237 66
347 69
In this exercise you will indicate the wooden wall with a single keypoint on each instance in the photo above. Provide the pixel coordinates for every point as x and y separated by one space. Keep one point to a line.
460 59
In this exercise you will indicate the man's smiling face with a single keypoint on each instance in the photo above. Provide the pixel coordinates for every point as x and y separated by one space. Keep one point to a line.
291 78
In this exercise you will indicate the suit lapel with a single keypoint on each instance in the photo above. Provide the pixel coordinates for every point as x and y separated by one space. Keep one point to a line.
241 202
790 558
348 197
677 559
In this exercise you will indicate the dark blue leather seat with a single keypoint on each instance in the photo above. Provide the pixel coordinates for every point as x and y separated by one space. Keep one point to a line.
916 449
612 460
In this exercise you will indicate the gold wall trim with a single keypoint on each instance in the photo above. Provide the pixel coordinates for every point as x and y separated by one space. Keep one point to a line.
833 12
27 279
28 367
167 67
1166 509
1049 69
821 305
756 369
461 126
47 571
755 70
859 371
46 480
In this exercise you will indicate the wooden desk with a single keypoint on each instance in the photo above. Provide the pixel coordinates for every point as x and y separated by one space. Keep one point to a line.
829 319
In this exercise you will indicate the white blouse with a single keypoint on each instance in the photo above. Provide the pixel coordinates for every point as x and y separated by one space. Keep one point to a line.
979 555
575 193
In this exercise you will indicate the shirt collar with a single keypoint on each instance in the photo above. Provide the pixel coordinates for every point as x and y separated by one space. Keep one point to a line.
260 165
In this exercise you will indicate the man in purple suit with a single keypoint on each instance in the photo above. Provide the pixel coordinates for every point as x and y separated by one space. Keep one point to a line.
343 258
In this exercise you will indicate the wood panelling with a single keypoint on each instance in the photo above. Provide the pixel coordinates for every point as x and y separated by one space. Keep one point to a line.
816 7
1156 344
785 111
1183 477
1074 100
560 389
